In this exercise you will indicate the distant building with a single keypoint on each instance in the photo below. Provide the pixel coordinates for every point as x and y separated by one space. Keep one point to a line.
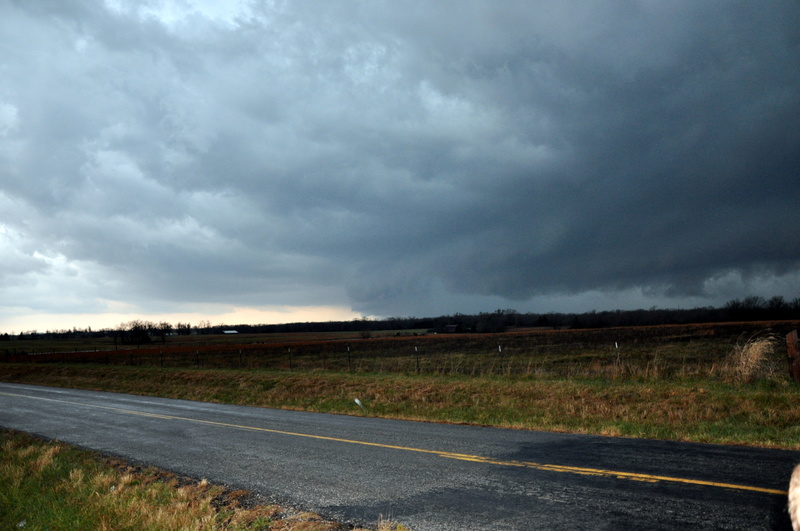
230 332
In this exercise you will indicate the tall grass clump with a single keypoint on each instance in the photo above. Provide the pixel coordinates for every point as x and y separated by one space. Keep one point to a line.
752 360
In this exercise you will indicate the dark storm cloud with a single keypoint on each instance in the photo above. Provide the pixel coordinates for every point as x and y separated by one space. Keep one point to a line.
418 157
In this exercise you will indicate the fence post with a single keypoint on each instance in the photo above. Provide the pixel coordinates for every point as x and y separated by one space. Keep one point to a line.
501 360
793 350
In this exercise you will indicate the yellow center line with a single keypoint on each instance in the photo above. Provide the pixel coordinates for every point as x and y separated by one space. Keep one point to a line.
632 476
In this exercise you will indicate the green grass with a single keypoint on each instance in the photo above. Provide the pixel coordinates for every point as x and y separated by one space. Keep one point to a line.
48 485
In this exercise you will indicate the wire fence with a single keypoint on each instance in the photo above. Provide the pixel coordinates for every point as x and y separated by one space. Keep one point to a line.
634 352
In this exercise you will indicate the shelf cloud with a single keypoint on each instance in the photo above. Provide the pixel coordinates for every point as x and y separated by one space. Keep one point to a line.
394 158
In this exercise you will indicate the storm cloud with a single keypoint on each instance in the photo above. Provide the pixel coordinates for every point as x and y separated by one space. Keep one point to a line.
396 158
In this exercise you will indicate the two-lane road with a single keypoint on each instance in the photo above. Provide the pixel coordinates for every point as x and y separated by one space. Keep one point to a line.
427 476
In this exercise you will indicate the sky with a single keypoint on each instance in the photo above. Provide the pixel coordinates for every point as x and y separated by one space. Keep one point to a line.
282 161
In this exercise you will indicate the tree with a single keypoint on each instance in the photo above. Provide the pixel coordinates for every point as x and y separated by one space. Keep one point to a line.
135 332
204 326
163 329
777 308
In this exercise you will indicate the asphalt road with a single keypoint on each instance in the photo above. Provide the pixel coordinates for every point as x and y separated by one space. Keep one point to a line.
427 476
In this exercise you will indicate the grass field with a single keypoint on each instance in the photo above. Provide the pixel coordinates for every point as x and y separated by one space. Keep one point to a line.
709 383
658 351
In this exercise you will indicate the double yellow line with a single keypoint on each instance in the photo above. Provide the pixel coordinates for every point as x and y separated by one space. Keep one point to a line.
584 471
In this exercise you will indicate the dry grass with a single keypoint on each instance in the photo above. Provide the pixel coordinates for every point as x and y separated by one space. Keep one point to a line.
704 409
690 349
694 383
752 360
388 525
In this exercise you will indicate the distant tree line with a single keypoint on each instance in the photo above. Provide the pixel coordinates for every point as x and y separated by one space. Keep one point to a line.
136 332
747 309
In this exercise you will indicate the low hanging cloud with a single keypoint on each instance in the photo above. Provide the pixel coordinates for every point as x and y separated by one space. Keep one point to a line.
397 158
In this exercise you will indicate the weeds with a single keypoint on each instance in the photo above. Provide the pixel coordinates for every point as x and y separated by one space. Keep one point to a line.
388 525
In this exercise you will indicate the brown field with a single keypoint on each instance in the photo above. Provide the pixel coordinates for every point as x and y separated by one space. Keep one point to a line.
656 351
719 383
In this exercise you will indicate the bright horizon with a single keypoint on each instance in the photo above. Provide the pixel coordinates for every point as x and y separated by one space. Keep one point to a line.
234 316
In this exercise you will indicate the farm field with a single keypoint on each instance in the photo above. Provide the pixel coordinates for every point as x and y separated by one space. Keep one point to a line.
651 352
722 383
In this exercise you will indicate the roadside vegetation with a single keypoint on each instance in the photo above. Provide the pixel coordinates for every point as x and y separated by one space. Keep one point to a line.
705 383
50 485
726 384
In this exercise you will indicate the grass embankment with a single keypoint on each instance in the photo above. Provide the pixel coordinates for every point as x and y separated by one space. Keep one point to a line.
49 485
736 404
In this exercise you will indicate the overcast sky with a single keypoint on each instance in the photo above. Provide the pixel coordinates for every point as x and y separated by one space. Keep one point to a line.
270 161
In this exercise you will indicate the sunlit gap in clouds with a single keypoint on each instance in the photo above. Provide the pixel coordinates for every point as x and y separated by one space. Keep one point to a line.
215 314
